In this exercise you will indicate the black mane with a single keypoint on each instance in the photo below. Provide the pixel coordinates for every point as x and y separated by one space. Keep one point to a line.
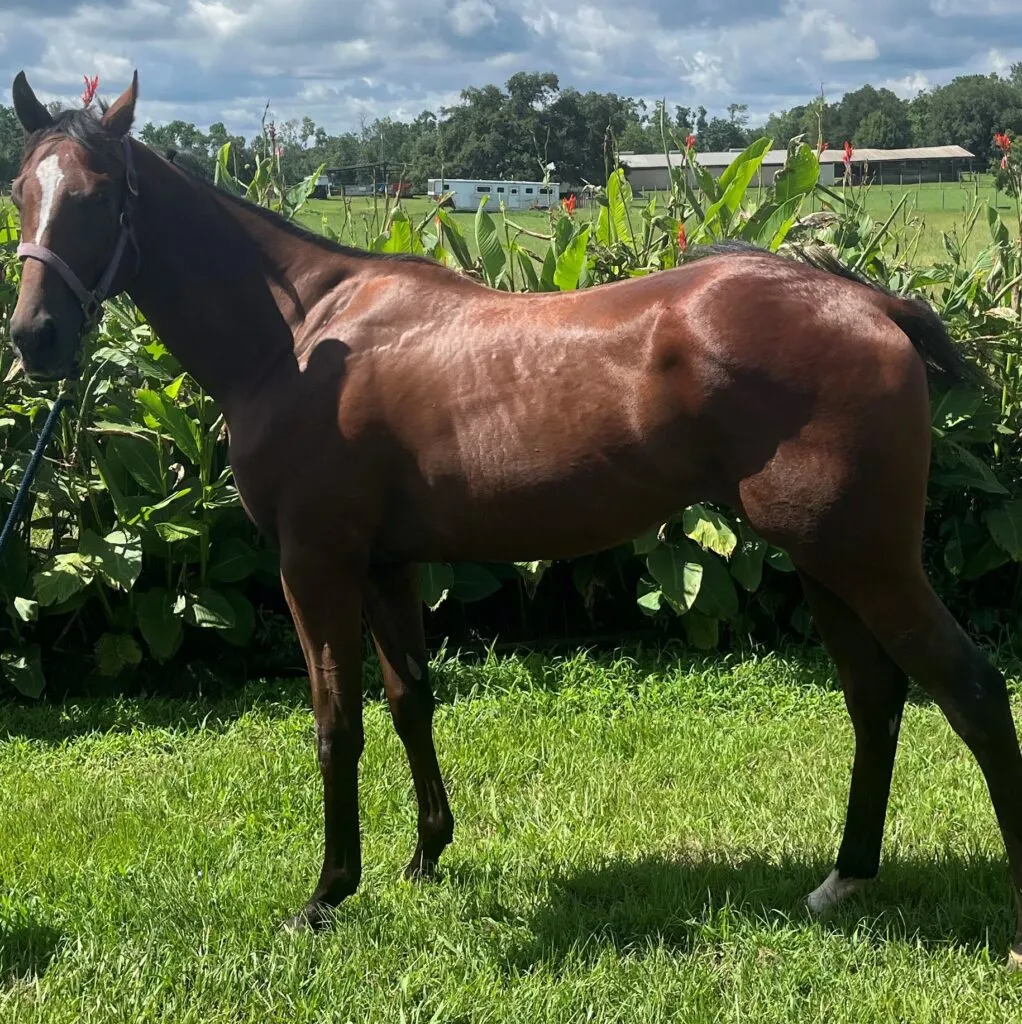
197 168
85 128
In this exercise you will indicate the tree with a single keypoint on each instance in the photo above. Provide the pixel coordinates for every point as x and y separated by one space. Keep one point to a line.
876 130
969 110
12 138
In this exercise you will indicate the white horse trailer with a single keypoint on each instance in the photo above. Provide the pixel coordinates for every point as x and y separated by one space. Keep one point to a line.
467 193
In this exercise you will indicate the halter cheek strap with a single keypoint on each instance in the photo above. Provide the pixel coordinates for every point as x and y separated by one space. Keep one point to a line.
92 301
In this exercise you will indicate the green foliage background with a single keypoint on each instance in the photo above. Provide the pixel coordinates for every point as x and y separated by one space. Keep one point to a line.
136 545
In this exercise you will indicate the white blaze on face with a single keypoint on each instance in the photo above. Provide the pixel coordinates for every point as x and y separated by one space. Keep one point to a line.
50 176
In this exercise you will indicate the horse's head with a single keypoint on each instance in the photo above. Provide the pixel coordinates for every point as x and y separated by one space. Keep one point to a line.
75 193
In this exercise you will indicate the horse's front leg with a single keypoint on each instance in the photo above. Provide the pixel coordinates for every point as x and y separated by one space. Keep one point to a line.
327 609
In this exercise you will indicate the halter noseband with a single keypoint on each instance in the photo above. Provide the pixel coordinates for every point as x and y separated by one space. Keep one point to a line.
92 302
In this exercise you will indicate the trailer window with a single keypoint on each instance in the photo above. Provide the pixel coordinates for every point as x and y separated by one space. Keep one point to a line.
528 191
500 188
514 191
482 188
545 191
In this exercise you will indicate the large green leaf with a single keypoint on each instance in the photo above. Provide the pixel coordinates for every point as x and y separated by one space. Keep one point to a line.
733 184
435 582
702 631
244 618
140 456
117 557
1005 526
233 560
63 577
183 431
532 573
799 175
619 195
769 225
678 571
401 236
746 563
455 239
115 652
571 262
26 609
717 595
709 529
24 670
528 269
958 467
546 277
159 624
209 609
491 252
648 596
13 564
473 582
998 230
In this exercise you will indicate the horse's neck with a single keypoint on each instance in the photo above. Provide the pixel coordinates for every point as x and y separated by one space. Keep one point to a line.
224 289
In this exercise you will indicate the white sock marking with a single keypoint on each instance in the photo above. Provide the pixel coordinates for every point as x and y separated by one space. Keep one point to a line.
49 175
832 892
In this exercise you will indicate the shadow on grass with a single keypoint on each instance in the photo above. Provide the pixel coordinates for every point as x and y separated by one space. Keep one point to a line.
26 951
630 905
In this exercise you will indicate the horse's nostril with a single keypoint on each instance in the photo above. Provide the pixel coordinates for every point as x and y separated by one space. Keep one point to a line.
35 342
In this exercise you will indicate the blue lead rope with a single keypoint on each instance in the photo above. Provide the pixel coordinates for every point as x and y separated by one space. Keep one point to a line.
26 481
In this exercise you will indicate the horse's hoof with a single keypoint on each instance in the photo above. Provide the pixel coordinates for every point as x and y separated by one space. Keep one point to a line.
833 891
315 917
420 869
1015 957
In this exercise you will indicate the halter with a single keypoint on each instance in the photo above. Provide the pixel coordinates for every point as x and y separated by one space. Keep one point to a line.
92 302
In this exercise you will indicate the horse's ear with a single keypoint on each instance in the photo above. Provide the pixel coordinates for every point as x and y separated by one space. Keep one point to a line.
121 113
31 113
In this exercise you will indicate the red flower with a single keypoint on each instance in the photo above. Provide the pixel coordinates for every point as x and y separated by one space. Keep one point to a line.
570 203
847 158
822 147
682 238
1002 141
690 141
89 92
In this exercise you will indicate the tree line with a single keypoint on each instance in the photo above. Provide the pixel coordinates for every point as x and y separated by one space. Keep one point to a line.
516 130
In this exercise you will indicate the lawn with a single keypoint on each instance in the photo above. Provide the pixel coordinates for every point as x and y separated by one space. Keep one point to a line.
929 211
633 841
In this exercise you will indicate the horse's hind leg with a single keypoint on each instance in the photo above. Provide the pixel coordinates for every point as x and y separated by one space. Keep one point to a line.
394 606
920 634
874 689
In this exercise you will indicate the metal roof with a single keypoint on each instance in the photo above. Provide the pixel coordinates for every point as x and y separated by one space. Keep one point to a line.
775 157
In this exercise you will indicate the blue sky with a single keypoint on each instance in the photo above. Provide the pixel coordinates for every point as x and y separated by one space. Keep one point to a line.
341 62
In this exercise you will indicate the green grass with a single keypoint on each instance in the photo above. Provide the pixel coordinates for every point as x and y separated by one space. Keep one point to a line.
633 843
929 211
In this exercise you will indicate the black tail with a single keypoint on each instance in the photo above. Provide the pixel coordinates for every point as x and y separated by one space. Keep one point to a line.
915 316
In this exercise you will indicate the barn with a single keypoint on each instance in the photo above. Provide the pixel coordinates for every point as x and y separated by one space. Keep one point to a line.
649 171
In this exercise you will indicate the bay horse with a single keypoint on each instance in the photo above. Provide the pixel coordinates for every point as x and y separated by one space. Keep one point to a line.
384 412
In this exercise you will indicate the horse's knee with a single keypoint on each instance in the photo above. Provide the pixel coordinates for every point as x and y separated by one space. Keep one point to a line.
339 744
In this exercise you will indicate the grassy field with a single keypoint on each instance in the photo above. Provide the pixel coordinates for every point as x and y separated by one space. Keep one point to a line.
929 211
633 843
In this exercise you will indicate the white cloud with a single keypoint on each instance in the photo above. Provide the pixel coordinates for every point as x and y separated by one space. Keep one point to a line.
907 86
469 16
342 60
